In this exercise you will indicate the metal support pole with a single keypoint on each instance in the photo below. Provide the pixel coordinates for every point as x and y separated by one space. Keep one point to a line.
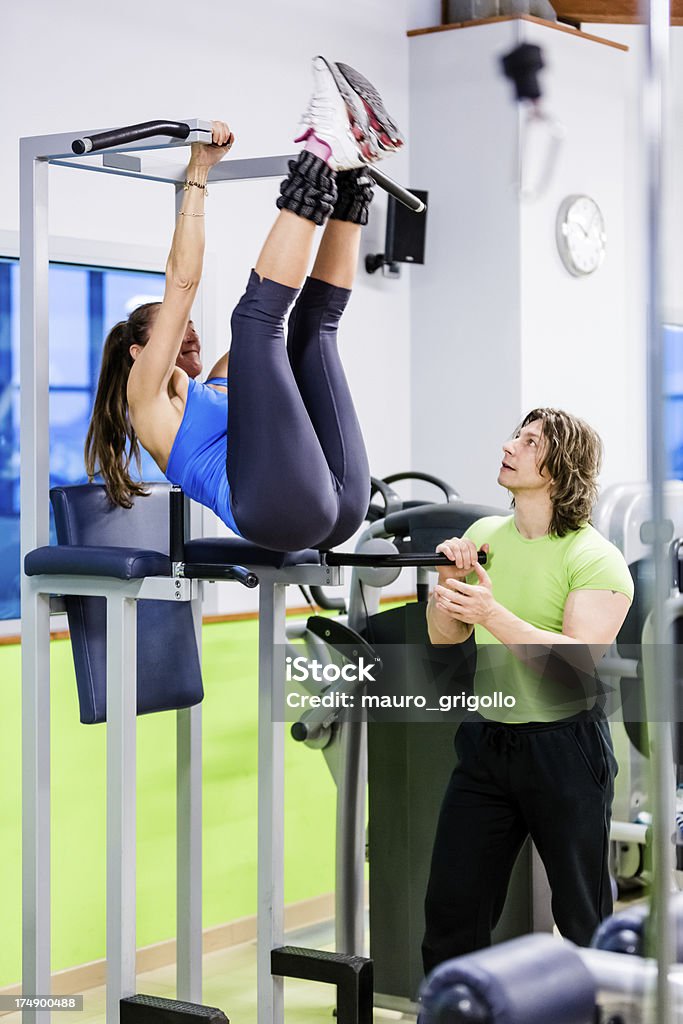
350 851
271 793
661 710
189 817
35 612
189 854
351 796
121 771
36 858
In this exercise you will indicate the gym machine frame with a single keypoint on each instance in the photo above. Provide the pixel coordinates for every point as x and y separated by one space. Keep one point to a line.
36 156
126 152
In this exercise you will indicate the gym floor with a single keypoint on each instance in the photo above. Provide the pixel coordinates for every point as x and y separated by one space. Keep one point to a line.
229 806
230 983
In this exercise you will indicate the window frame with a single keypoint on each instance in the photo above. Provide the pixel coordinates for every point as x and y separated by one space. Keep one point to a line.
97 254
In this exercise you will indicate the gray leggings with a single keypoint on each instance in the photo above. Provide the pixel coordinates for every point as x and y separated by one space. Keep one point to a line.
296 461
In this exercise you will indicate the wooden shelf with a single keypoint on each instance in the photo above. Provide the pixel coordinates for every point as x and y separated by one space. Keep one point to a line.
520 17
605 12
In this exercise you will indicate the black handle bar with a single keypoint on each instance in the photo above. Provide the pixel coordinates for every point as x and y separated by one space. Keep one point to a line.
207 571
132 133
179 130
397 191
450 492
330 604
388 561
392 501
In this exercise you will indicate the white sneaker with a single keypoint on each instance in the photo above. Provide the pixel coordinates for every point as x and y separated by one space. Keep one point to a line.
365 96
371 126
328 118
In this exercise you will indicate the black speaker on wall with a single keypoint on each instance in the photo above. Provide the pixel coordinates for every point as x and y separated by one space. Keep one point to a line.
405 237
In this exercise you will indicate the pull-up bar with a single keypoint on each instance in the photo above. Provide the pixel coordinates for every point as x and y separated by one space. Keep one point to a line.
180 130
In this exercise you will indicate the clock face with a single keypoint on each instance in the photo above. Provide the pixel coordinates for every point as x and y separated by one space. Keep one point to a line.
580 233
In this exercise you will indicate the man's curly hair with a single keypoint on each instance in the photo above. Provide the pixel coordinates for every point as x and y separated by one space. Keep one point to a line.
571 457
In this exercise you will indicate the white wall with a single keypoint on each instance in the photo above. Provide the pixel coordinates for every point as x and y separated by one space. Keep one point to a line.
423 13
582 337
77 66
498 324
465 302
634 37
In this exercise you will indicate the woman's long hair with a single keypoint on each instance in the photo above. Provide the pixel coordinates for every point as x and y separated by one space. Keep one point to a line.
111 443
572 459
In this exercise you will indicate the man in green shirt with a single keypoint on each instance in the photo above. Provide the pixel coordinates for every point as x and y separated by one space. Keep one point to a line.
537 759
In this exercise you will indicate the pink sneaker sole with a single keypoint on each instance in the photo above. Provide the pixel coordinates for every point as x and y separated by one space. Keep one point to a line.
380 122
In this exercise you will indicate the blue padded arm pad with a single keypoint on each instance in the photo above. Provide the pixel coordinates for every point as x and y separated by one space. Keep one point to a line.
614 931
530 980
623 931
236 551
74 560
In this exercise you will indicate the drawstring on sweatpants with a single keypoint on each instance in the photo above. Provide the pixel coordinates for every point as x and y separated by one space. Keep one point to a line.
502 739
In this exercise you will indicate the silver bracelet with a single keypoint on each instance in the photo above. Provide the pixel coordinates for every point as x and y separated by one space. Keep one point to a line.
183 214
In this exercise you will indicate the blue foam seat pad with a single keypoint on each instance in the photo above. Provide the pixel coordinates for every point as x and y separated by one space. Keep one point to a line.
81 560
236 551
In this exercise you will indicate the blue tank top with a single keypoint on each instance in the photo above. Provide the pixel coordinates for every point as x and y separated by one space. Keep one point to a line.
197 459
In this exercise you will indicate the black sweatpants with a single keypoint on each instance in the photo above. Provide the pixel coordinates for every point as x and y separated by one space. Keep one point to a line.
554 782
296 461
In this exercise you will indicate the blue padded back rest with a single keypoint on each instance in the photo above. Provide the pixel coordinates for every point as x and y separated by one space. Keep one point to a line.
84 515
169 670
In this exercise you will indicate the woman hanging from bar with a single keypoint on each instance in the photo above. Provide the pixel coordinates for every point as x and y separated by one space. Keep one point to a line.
296 472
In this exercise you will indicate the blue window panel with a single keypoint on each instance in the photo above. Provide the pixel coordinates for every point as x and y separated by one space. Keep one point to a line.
8 453
68 291
125 290
10 563
84 303
10 310
673 376
69 418
673 359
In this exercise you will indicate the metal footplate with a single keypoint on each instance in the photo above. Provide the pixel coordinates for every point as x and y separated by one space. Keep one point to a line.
353 976
143 1009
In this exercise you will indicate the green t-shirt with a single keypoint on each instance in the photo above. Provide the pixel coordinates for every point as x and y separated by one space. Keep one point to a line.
532 579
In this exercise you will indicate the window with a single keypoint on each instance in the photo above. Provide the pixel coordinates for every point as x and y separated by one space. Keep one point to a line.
673 375
84 303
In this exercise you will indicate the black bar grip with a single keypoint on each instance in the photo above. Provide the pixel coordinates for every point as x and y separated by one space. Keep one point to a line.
207 571
244 576
133 133
330 604
397 191
387 561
